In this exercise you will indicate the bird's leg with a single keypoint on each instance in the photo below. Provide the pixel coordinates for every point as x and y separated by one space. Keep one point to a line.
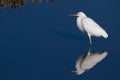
90 39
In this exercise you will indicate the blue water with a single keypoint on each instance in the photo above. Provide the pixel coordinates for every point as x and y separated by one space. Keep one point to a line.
42 42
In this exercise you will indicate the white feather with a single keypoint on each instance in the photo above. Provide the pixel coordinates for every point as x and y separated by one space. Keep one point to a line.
93 28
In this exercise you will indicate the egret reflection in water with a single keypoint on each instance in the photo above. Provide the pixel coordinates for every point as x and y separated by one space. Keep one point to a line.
87 62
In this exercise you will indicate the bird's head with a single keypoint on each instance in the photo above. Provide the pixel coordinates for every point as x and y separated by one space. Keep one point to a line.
79 14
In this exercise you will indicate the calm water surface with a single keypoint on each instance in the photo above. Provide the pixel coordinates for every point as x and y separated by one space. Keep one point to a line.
42 42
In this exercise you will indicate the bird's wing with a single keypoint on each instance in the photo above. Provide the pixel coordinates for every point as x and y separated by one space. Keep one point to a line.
91 60
91 27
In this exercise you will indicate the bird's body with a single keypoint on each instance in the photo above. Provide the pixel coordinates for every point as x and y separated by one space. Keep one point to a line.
86 24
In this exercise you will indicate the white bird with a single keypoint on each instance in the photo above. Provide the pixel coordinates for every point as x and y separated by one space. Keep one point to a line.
88 62
88 25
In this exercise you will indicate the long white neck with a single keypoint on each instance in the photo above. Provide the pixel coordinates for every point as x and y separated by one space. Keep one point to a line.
79 18
79 24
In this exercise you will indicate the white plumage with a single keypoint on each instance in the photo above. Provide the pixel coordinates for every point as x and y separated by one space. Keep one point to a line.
88 25
88 62
93 28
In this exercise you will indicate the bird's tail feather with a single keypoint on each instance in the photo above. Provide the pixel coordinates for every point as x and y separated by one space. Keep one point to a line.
105 35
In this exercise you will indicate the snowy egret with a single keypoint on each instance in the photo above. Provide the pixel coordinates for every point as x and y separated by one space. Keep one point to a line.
88 25
87 62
